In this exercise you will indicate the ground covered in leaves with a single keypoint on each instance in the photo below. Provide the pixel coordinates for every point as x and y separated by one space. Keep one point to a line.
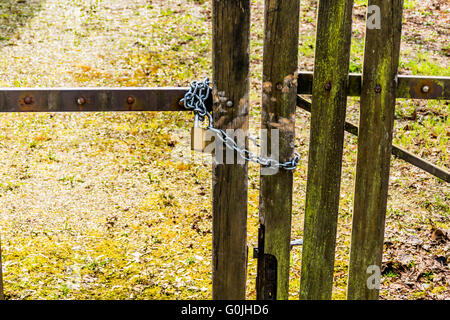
114 206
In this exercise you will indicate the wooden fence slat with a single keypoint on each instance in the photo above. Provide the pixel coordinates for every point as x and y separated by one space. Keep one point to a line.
381 58
231 39
279 100
329 99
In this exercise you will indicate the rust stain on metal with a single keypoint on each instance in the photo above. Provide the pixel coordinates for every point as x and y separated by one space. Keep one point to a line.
26 103
81 101
434 89
28 100
131 100
130 103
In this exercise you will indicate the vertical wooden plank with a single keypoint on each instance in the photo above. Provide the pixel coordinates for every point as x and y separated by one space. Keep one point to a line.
279 99
326 143
231 39
376 123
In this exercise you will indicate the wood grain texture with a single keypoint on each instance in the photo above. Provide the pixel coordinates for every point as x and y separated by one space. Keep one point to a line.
329 99
231 39
279 99
381 58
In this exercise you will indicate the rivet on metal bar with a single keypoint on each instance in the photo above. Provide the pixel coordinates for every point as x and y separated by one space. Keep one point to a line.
294 243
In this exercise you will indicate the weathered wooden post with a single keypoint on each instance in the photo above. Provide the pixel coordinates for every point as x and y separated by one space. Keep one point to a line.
231 40
278 112
376 121
329 97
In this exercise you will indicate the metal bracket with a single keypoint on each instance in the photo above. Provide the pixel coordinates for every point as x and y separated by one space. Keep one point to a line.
266 278
267 266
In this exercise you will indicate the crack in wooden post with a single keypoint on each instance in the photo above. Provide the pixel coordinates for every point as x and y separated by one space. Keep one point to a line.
231 40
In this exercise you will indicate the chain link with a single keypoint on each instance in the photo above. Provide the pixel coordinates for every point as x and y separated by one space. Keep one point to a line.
195 100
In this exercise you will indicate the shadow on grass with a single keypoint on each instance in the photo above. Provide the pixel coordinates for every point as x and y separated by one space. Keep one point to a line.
13 15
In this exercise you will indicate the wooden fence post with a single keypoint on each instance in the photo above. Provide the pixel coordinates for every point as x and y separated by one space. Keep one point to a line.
329 99
231 39
376 123
280 72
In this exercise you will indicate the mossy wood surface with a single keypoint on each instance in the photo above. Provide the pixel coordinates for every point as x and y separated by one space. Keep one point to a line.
329 98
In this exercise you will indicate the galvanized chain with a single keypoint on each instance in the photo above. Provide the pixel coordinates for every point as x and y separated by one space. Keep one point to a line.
195 100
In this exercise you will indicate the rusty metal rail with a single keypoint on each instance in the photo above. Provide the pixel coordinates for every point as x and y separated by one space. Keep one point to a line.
167 99
91 99
396 150
129 99
408 87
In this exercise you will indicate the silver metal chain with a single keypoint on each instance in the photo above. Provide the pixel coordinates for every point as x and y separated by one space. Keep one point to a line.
195 100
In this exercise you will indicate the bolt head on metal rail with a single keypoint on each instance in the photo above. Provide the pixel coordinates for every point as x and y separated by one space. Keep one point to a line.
425 89
28 100
81 101
130 100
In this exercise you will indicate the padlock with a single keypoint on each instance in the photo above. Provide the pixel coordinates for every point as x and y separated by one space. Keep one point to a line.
198 136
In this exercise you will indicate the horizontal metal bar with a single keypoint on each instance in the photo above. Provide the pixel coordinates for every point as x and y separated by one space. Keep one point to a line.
167 99
91 99
409 87
396 150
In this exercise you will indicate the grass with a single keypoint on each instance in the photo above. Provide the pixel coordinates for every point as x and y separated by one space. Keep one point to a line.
100 206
